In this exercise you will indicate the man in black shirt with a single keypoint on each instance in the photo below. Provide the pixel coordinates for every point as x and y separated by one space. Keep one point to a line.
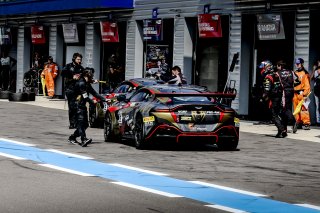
71 73
81 92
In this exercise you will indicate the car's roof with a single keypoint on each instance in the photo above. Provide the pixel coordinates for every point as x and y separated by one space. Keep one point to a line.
174 89
145 81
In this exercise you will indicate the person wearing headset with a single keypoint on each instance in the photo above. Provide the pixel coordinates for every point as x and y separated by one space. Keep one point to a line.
71 74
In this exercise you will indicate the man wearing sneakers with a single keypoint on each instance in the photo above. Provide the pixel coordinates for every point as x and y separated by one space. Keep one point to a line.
82 90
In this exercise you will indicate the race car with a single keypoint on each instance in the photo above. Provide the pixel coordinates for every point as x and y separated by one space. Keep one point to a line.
169 113
96 108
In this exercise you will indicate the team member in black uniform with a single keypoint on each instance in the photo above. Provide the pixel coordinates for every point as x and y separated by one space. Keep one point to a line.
82 89
272 92
288 80
71 73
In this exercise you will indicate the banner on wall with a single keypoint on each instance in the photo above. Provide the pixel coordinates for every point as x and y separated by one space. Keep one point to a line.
38 35
5 36
70 33
209 26
109 31
157 59
152 29
270 27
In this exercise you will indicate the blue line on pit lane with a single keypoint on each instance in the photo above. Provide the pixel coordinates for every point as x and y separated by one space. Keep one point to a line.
183 188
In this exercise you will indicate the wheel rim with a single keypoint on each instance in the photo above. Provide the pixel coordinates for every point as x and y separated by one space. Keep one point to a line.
27 81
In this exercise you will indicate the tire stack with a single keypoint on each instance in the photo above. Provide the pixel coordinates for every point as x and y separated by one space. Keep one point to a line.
20 96
4 94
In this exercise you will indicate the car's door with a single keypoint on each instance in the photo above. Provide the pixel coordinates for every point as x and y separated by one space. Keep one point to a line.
127 114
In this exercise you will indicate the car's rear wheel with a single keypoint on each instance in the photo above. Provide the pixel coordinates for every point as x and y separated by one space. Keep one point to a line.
108 129
139 137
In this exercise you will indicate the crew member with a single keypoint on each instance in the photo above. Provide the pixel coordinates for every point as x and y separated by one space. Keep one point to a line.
288 80
6 64
272 92
82 89
71 73
50 73
175 77
302 91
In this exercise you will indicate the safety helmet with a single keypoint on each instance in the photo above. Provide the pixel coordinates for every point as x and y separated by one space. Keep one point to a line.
265 67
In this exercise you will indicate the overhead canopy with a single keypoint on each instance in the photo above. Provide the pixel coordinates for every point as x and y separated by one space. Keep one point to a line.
16 7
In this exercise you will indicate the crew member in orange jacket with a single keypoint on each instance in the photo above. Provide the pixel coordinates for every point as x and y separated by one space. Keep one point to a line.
49 73
301 91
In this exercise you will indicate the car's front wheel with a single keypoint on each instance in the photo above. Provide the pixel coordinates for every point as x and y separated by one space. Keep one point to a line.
139 137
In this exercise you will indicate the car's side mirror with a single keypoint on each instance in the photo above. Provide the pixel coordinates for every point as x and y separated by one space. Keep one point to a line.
121 98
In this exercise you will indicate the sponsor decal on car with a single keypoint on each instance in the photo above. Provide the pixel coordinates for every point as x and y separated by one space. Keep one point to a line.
185 118
237 122
148 119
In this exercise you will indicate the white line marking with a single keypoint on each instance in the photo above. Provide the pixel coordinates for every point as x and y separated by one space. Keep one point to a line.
228 188
11 156
146 189
16 142
138 169
70 154
67 170
309 206
224 208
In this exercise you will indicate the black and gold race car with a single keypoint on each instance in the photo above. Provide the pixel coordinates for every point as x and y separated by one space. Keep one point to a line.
128 87
173 113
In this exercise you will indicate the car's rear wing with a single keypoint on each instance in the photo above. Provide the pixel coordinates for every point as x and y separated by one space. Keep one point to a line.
206 94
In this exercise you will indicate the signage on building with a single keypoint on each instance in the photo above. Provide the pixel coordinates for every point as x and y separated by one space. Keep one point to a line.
270 27
70 33
5 36
209 26
157 60
152 29
109 31
38 35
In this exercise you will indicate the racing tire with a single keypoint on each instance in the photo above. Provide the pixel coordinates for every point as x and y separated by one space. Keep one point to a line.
108 131
139 137
4 94
21 96
93 116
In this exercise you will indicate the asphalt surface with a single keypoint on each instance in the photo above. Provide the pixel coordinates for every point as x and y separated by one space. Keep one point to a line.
284 170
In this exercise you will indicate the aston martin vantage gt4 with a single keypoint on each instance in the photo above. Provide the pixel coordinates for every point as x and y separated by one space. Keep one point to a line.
170 113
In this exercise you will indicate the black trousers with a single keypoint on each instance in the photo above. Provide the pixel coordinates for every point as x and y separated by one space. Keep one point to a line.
4 79
277 113
72 107
81 123
287 109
